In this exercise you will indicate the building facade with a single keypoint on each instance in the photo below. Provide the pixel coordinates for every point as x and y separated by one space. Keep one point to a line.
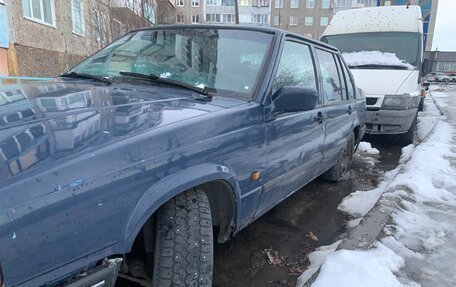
305 17
47 37
256 12
442 61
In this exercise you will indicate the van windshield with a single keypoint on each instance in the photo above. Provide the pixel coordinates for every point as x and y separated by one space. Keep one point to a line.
401 50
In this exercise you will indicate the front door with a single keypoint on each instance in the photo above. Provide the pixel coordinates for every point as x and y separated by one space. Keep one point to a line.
294 141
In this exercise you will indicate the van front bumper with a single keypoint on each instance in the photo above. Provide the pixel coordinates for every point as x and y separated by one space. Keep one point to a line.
389 122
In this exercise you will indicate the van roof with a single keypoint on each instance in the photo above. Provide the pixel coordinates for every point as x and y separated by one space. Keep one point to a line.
398 18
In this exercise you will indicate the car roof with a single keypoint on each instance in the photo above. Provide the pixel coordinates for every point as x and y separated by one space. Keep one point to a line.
263 29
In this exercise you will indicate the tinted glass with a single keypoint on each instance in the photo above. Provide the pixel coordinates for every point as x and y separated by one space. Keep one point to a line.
296 67
218 59
349 81
332 89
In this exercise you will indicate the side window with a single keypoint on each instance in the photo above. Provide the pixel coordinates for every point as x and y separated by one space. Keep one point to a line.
332 89
349 81
296 67
341 77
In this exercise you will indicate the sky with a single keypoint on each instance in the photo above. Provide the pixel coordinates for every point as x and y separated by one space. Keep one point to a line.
445 26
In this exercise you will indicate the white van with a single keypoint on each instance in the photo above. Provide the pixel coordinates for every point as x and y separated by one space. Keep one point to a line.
383 46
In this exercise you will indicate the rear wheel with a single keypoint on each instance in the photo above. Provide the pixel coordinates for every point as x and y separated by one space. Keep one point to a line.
341 170
184 242
421 105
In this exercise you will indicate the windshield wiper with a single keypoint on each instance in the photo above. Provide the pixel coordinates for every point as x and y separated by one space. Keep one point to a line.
158 79
104 79
379 66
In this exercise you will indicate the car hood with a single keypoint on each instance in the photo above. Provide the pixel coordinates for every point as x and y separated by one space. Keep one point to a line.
51 120
386 82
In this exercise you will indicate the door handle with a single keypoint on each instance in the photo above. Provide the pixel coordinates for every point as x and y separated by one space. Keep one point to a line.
350 110
320 117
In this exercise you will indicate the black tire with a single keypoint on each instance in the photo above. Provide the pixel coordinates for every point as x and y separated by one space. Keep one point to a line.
184 242
409 136
341 170
421 105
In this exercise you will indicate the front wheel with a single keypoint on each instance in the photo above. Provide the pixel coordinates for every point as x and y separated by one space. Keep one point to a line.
341 170
184 242
409 136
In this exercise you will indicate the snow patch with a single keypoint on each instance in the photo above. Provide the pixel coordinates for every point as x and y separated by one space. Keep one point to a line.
367 148
373 268
316 258
374 58
360 202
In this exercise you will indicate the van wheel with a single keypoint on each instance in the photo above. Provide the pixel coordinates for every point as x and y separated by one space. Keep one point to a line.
421 105
409 136
341 170
184 242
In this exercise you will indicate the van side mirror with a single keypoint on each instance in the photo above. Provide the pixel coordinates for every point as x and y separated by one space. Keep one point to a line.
295 99
425 69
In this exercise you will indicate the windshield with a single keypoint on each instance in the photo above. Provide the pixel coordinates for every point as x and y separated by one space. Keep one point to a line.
395 49
217 59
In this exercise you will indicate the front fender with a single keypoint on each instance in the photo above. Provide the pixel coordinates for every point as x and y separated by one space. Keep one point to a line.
170 186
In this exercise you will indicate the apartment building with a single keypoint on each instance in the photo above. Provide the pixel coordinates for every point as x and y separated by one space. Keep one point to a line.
44 38
255 12
305 17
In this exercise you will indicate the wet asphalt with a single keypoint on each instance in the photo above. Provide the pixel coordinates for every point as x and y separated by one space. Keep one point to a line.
285 232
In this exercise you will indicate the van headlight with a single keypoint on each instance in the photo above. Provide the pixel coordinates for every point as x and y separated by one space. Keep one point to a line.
397 102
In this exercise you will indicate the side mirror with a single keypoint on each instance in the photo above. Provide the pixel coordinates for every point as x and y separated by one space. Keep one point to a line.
295 99
425 69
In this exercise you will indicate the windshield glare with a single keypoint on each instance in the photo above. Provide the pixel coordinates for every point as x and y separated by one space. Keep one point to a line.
404 45
219 59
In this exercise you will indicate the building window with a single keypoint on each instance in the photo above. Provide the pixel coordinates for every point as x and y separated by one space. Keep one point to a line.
260 3
294 3
213 18
260 18
41 11
278 4
309 21
213 2
310 4
245 17
228 2
324 21
276 20
195 19
195 3
387 3
77 15
245 2
179 18
229 18
179 2
294 20
324 4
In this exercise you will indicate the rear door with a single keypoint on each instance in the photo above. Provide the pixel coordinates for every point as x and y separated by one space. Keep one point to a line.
338 108
294 141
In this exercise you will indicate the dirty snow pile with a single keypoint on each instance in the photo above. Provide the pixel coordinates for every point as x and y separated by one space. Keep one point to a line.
367 148
374 58
418 244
